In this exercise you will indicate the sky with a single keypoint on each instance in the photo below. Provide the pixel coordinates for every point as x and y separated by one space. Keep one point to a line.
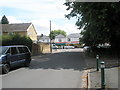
39 13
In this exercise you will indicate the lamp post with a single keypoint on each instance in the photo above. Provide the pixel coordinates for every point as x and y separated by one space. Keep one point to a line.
102 75
50 38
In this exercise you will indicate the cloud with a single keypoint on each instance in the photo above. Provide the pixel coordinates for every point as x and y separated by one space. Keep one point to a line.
40 8
43 27
70 28
40 12
12 19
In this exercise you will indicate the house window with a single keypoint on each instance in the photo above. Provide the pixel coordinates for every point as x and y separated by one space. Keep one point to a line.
69 39
60 40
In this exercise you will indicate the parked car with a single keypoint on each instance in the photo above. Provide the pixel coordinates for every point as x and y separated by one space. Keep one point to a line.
54 46
12 56
86 48
69 47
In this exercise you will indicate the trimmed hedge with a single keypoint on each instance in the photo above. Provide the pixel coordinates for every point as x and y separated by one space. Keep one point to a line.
16 40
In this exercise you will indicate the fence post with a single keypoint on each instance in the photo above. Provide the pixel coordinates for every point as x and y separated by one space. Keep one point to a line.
102 75
97 60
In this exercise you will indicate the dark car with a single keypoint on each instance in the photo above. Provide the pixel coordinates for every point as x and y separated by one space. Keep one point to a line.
12 56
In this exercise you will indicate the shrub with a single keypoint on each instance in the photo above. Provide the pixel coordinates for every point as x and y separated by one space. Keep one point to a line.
16 40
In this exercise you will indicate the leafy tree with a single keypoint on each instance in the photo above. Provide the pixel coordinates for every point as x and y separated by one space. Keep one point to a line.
4 20
56 32
100 21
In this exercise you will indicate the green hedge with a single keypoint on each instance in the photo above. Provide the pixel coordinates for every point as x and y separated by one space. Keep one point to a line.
16 40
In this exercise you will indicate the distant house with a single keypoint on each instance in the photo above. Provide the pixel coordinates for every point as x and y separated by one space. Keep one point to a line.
60 38
21 29
70 39
44 39
73 38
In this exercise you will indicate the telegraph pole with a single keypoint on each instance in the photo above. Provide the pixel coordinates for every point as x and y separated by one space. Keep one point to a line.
50 38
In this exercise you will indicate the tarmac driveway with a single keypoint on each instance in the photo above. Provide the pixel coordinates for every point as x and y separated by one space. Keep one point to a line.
64 60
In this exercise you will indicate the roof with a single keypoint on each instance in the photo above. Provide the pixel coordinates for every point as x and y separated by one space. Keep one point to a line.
15 27
60 36
74 35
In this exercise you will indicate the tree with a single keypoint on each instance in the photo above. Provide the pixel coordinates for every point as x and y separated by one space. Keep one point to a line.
56 32
4 20
100 21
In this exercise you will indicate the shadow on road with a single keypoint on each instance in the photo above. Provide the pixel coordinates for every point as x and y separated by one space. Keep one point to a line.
64 60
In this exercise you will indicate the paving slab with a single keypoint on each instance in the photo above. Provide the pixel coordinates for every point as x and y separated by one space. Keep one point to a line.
111 78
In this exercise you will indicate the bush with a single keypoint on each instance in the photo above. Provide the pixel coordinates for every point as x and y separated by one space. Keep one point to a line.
16 40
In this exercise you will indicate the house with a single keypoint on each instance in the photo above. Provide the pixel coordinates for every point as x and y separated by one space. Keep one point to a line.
60 38
73 38
70 39
43 38
21 29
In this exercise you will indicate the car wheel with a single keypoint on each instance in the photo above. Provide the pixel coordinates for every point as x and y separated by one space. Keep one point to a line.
27 63
6 68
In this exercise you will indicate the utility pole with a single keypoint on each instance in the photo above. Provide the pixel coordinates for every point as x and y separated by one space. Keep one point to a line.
50 38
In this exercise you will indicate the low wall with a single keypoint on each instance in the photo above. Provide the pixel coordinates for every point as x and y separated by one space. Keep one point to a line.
40 48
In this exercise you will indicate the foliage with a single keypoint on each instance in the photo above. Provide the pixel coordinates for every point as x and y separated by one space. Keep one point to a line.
56 32
4 20
100 21
16 40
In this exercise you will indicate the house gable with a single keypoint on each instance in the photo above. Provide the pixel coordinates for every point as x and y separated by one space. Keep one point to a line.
31 32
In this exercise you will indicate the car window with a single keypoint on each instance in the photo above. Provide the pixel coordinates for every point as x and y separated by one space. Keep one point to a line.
3 50
25 49
21 49
8 51
14 50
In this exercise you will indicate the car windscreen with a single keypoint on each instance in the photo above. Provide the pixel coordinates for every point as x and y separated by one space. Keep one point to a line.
3 50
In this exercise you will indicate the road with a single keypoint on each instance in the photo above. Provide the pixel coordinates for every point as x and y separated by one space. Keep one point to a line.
58 70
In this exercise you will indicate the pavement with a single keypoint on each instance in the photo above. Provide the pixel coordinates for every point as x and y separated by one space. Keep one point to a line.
111 78
90 77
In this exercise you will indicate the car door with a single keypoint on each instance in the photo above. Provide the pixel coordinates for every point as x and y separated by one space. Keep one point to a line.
14 57
22 55
27 53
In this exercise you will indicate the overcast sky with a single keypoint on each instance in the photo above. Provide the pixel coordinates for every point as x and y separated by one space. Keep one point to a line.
39 12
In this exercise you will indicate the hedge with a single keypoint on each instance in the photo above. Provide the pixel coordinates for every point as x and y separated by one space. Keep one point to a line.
16 40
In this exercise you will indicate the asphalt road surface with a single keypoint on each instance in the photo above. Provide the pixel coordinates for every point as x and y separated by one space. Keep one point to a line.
58 70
